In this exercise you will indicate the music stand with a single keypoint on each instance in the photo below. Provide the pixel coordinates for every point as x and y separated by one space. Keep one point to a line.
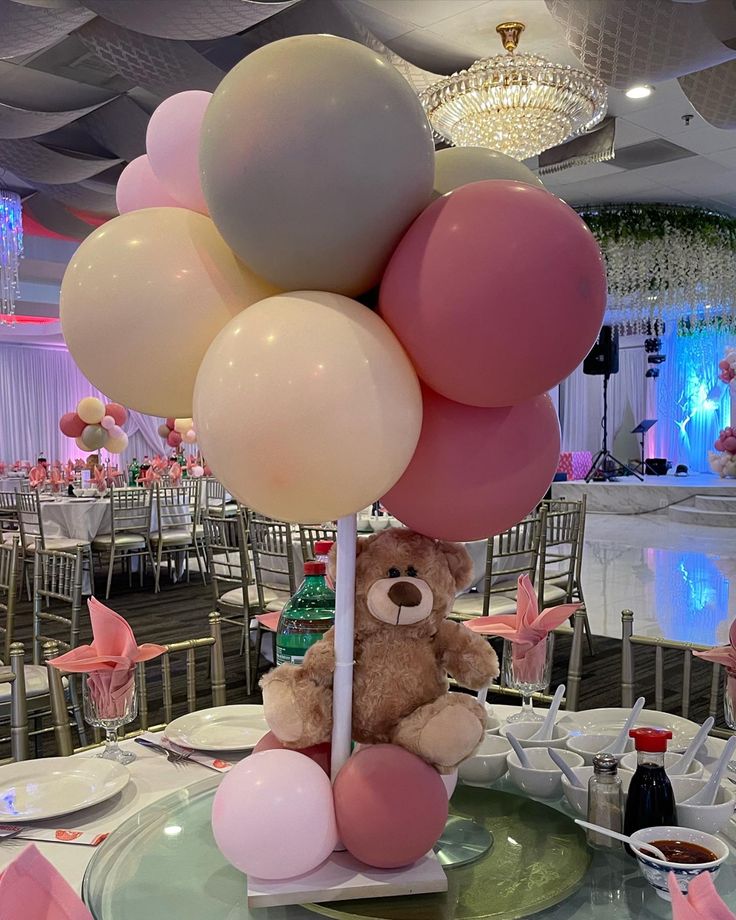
641 429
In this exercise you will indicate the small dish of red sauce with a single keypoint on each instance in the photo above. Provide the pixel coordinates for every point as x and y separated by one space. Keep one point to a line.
684 852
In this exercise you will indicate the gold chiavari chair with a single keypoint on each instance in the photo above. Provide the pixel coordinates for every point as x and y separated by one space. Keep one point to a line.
309 535
148 688
130 531
8 516
13 708
510 554
175 531
272 546
9 556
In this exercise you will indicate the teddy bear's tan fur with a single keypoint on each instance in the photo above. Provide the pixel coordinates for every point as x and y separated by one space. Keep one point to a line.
400 687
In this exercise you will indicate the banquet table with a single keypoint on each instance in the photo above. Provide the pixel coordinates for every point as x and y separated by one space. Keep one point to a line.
612 886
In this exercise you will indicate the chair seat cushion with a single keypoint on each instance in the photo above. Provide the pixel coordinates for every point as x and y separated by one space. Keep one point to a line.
8 537
234 598
37 683
127 540
553 594
471 605
172 537
65 543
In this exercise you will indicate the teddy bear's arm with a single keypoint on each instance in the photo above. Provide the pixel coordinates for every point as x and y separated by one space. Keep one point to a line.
319 661
466 656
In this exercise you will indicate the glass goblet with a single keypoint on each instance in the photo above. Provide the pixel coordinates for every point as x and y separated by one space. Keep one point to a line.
110 713
729 698
530 674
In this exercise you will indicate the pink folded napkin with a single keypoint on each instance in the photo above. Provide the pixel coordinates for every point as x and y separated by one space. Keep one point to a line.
269 621
55 480
37 476
527 630
3 467
32 888
174 472
702 901
99 479
110 660
725 655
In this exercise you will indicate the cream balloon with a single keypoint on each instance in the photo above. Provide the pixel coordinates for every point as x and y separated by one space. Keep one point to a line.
91 410
456 166
307 406
81 445
183 425
117 445
316 156
143 297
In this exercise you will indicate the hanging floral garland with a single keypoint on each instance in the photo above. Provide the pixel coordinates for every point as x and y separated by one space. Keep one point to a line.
666 262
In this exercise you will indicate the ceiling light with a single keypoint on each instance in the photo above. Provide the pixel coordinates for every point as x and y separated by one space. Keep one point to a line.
520 104
11 251
640 92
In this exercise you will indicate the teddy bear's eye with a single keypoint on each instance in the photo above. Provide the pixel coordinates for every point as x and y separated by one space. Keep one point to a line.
411 572
393 572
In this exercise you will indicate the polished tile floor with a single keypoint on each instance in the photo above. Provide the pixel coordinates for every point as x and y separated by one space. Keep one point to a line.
677 578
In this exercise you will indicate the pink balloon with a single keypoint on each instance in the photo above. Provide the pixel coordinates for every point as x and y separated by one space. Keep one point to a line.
391 806
138 188
191 436
71 425
497 292
172 142
729 444
118 412
170 423
719 444
484 468
319 753
262 797
116 432
174 439
724 365
107 422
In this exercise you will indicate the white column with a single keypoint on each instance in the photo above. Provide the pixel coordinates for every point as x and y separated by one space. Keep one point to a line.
342 686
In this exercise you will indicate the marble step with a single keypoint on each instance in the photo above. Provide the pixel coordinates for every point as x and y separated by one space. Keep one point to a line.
715 502
691 514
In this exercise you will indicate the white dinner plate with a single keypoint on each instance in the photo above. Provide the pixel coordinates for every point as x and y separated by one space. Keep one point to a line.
222 728
34 790
610 721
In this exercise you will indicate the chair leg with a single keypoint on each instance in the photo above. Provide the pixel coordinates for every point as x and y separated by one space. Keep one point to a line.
91 564
248 654
110 567
77 709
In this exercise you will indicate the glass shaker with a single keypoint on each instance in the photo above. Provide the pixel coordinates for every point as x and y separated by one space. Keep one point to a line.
605 801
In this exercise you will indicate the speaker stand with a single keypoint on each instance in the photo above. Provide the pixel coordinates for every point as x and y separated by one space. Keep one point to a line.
598 468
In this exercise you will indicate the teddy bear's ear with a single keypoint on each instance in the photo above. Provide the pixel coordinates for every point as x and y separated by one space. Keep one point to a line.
459 562
332 558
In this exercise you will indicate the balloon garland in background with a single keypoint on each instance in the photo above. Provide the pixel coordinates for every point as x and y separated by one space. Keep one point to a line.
724 461
177 430
95 425
309 405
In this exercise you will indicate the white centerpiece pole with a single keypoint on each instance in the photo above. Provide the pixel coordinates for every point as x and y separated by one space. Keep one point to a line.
342 686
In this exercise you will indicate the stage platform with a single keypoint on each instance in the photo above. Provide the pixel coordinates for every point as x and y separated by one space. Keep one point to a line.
629 495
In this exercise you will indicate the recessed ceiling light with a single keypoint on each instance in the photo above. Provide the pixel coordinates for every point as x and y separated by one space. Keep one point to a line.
640 92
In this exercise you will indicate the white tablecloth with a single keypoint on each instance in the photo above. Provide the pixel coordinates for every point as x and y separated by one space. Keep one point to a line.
79 518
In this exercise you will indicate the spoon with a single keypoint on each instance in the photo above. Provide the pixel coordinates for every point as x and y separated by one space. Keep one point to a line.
483 695
566 768
619 745
634 844
519 751
708 793
683 764
547 727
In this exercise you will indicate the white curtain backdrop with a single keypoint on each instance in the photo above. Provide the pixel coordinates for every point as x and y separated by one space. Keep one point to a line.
38 384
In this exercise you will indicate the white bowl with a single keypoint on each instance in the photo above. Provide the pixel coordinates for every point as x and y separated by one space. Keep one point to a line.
590 745
628 762
542 779
577 798
707 818
488 764
655 871
493 724
523 731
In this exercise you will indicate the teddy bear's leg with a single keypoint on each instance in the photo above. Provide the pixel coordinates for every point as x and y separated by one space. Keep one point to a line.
298 710
443 732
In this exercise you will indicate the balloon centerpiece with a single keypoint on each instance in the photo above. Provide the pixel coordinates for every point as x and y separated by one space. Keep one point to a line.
231 284
723 459
176 431
96 425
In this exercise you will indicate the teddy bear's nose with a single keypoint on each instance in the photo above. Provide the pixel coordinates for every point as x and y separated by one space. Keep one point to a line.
405 594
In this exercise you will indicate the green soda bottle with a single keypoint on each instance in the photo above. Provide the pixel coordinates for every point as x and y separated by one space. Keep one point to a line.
306 617
133 471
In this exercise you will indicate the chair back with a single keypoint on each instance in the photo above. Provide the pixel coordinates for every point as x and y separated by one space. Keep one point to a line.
8 512
560 545
510 554
28 509
130 511
226 549
273 554
173 509
155 682
14 674
120 480
8 591
214 496
57 597
309 535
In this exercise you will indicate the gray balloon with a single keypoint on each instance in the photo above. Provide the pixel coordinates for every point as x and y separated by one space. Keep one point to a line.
456 166
316 156
163 431
94 437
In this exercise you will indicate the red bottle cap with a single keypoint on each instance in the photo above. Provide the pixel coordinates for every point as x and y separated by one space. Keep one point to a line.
319 568
651 740
322 547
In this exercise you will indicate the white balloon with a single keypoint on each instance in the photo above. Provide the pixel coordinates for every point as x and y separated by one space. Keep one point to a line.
456 166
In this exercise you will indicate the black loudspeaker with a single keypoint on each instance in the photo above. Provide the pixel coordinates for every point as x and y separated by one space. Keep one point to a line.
603 357
655 466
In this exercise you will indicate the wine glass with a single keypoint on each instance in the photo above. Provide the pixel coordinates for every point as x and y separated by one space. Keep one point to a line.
530 675
104 711
729 698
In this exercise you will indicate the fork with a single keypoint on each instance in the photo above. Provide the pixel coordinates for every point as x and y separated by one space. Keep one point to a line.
11 835
177 758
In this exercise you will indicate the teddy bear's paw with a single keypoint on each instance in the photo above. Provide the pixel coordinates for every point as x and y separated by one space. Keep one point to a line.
450 736
281 711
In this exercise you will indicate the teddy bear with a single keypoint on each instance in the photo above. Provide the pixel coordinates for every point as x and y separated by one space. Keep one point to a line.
405 647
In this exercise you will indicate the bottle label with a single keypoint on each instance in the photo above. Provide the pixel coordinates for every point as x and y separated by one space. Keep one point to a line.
283 657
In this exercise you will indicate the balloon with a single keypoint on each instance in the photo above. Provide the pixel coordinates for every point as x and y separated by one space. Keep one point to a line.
449 781
170 422
117 445
71 425
197 471
724 365
497 292
116 432
160 284
190 436
173 439
182 424
719 444
81 445
319 753
484 468
139 188
94 437
286 397
391 806
316 156
163 431
172 142
91 410
456 166
729 444
107 422
259 799
118 412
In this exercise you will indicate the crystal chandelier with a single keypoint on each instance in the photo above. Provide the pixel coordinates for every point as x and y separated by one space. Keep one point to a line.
11 251
519 104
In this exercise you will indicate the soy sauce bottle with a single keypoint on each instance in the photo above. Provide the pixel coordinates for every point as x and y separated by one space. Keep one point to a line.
650 801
